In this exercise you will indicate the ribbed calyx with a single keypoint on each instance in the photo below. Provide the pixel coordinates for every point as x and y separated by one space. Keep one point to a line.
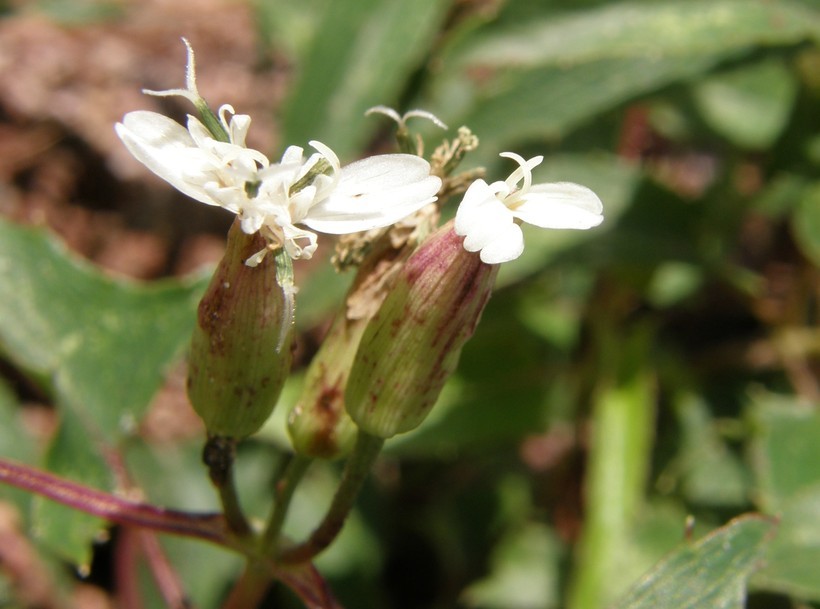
241 346
412 346
318 425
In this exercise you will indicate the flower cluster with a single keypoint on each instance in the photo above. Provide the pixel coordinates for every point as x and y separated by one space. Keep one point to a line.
213 165
385 369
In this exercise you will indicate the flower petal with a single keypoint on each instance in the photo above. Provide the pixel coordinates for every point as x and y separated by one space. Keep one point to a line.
374 192
167 149
481 216
560 205
507 244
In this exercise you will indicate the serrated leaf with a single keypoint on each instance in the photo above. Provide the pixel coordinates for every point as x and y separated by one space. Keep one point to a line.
363 53
710 573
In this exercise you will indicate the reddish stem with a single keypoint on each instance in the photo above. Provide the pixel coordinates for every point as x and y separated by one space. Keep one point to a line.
208 527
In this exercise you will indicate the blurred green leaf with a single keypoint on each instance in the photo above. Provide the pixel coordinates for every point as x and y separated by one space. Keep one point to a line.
793 556
785 449
549 102
362 55
523 572
80 12
104 344
785 453
289 25
543 78
750 105
710 573
101 345
712 474
673 282
66 532
15 443
806 224
677 28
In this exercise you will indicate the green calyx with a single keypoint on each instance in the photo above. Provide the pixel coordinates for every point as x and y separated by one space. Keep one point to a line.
412 346
240 349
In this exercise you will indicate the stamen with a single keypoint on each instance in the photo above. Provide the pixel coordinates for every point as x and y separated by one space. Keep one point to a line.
223 111
524 171
328 154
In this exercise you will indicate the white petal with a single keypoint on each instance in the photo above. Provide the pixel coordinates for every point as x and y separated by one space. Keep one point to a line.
466 214
507 245
560 205
166 148
481 216
382 172
375 192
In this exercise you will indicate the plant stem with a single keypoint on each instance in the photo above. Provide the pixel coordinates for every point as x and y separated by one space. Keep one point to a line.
284 493
219 455
358 466
208 527
249 591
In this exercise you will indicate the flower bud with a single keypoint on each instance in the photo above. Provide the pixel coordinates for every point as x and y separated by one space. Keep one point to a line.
318 424
240 350
412 346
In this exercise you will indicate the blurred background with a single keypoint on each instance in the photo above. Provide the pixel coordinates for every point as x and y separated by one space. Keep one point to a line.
663 365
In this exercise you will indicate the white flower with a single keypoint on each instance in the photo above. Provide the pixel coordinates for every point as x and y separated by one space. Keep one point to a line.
273 198
489 216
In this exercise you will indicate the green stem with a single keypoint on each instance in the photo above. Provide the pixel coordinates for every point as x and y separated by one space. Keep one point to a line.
249 591
284 493
219 455
358 466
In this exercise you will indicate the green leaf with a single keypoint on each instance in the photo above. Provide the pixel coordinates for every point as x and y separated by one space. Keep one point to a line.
523 572
785 453
712 474
551 101
101 346
751 105
792 559
785 449
16 444
806 224
710 573
363 53
551 75
68 533
682 28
